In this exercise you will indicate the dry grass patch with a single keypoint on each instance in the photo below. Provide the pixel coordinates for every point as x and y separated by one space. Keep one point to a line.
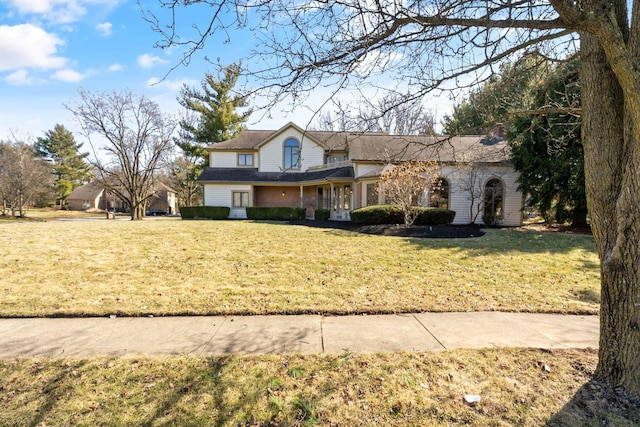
516 387
165 267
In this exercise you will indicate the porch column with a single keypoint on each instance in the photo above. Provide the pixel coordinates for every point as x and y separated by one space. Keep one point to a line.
301 196
331 201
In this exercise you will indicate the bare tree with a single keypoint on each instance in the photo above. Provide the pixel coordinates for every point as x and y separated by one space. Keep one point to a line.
452 44
182 175
403 185
473 174
394 113
135 138
24 178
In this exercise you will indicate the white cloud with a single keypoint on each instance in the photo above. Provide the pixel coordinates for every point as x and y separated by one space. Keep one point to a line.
26 46
58 11
68 75
19 78
115 67
31 6
150 61
104 29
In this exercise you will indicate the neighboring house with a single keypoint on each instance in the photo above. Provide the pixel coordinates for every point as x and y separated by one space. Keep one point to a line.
164 199
338 171
92 196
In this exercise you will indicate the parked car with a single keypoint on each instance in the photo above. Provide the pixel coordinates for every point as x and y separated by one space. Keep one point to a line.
156 212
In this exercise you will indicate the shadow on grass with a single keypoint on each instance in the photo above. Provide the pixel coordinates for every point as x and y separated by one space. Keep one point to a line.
54 390
236 395
467 237
588 295
596 404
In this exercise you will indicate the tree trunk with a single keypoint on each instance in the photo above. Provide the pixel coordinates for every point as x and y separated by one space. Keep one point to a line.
612 184
137 210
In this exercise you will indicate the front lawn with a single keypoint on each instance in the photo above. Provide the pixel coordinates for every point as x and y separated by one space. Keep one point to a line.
516 387
168 267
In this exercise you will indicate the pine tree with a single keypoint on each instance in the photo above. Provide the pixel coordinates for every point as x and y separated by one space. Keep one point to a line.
215 107
547 149
69 166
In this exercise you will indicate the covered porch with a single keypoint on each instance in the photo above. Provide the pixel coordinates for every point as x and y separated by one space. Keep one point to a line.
336 197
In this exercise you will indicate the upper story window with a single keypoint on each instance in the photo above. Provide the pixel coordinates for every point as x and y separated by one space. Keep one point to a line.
245 159
291 154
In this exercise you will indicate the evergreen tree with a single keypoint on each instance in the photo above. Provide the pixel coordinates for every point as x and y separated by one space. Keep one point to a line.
215 107
62 152
547 149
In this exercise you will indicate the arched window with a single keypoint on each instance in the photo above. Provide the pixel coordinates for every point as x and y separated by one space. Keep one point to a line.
494 198
291 154
439 195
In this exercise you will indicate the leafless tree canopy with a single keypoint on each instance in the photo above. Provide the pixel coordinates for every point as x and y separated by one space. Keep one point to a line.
392 114
24 178
130 138
425 44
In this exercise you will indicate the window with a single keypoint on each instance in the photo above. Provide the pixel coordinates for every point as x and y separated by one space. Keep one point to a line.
372 195
493 198
439 197
240 199
291 154
245 159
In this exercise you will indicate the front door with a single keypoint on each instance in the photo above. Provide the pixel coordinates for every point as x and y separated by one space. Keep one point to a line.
341 202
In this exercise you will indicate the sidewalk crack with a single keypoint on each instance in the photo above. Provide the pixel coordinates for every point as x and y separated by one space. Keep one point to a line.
215 332
429 332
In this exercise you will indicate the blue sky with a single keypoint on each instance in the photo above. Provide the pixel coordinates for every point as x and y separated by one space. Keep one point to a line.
50 48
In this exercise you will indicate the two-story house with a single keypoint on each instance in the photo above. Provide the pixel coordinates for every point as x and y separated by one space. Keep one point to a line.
291 167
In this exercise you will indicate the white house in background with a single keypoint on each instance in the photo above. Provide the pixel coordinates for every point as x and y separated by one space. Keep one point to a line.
291 167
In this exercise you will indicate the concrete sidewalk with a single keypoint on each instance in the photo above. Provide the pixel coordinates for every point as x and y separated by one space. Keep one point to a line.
206 336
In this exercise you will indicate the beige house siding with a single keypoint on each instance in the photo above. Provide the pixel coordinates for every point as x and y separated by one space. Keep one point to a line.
272 153
222 195
460 196
224 159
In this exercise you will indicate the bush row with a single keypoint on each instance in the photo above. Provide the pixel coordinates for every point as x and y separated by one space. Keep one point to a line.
204 212
277 214
392 214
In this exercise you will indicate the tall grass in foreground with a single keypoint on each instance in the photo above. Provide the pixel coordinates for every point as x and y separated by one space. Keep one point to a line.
164 267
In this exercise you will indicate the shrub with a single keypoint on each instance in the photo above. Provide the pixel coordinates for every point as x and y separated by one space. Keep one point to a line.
490 220
392 214
204 212
434 216
322 214
276 213
378 214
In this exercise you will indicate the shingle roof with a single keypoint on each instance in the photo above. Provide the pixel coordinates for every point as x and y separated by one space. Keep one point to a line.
382 147
88 191
252 175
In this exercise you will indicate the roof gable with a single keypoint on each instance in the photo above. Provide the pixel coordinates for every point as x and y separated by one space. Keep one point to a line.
90 191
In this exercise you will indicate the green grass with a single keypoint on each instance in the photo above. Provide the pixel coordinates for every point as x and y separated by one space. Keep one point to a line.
210 267
168 267
361 389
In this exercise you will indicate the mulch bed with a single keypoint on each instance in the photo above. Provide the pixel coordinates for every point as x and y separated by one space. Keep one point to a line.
417 231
